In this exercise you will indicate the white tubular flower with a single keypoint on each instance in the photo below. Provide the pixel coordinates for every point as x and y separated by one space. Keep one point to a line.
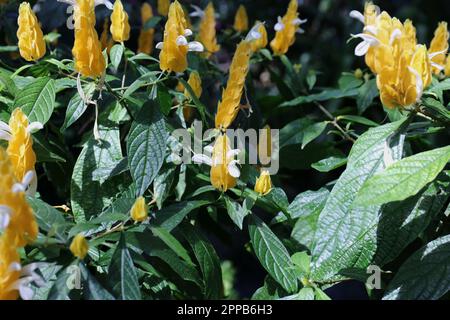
188 32
182 41
5 216
419 83
195 46
5 131
28 184
254 34
368 41
106 3
27 276
198 12
159 45
431 56
279 25
397 33
355 14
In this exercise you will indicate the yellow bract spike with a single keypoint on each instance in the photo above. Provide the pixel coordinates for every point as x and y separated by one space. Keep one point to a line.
439 46
173 55
260 43
20 146
220 175
79 246
31 40
145 40
87 52
228 107
288 26
8 275
207 31
120 28
139 211
163 7
241 19
263 184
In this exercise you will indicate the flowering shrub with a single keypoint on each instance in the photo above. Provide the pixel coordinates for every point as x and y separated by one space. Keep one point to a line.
134 159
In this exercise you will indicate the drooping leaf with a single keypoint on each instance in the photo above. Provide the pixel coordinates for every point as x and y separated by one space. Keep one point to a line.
37 100
425 275
122 273
272 254
146 146
404 178
345 236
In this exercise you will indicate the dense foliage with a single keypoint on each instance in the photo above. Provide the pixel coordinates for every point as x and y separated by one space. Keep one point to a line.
97 200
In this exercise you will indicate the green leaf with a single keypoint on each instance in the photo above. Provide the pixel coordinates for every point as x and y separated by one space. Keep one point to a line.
437 108
92 289
328 94
329 164
37 100
77 107
346 235
306 294
358 119
8 83
172 243
152 22
163 183
122 274
49 219
404 178
90 197
170 217
403 221
46 149
312 132
303 261
208 261
164 99
146 146
237 212
305 204
116 54
272 254
366 94
425 275
320 295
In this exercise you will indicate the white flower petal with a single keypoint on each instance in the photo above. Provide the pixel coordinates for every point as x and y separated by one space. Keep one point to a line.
394 35
278 26
209 148
27 178
26 293
4 126
419 82
15 266
298 21
434 54
17 187
371 28
80 89
437 66
34 127
159 45
187 32
355 14
5 217
198 12
107 3
362 48
202 159
232 153
5 135
181 41
195 46
233 170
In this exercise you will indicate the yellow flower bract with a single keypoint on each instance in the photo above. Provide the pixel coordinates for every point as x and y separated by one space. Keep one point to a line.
87 52
120 28
207 31
31 40
173 57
